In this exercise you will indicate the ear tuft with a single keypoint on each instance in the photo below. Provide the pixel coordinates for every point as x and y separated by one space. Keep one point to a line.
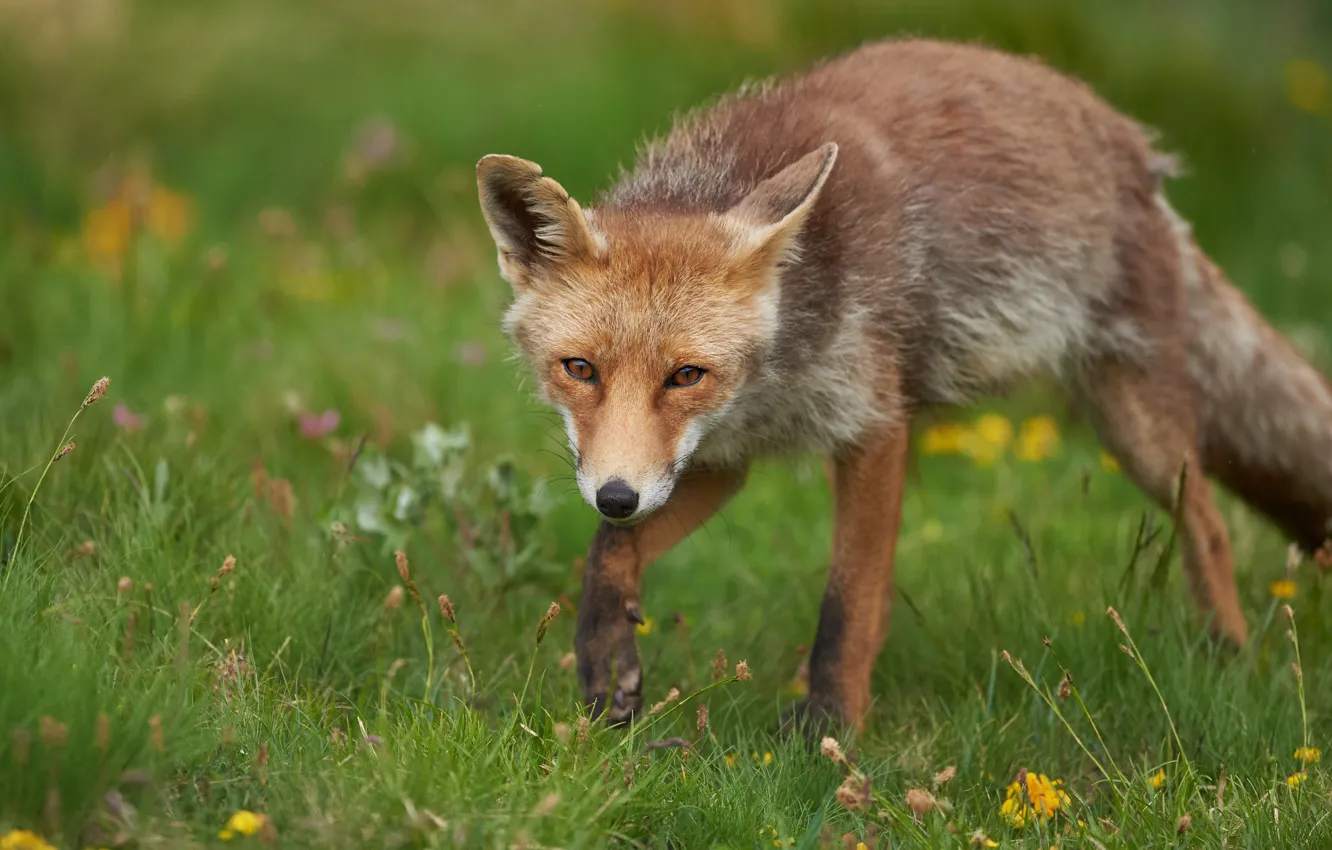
534 222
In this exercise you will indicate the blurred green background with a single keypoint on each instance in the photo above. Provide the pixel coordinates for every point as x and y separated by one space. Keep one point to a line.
247 104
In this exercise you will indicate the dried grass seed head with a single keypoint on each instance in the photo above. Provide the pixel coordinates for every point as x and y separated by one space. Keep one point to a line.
98 390
551 613
720 666
832 750
920 801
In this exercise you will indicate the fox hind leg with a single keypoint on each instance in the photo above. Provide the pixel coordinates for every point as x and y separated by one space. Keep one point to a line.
1146 416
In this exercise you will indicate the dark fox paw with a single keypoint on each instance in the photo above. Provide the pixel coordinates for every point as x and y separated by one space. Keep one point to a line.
622 706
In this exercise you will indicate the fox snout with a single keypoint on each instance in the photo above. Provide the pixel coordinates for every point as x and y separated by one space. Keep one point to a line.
616 499
622 497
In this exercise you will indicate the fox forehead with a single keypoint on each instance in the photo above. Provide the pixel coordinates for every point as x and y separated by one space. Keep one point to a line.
661 289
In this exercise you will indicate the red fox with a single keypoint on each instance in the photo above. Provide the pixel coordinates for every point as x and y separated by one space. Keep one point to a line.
809 262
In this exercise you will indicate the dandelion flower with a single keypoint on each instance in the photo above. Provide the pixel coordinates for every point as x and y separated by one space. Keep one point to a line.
1158 779
1294 780
22 839
1037 440
242 823
1042 800
1308 755
943 439
1282 589
995 430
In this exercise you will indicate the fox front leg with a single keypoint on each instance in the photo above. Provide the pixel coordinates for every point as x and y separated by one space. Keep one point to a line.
867 483
605 643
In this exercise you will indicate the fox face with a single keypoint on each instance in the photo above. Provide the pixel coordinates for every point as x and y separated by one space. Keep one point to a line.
642 326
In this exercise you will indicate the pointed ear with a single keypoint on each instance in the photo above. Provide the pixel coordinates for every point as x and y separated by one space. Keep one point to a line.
771 217
535 224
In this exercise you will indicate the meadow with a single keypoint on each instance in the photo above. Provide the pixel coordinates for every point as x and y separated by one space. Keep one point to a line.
288 578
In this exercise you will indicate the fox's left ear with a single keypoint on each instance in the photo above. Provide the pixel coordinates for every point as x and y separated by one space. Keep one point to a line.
771 217
535 224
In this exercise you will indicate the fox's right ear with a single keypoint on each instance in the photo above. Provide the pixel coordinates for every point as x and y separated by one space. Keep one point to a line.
535 224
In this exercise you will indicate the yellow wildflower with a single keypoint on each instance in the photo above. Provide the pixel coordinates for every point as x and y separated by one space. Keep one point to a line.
766 758
730 759
108 230
1037 439
646 626
1283 589
1079 619
1308 755
170 215
943 439
1295 779
1158 779
995 430
1306 85
244 823
1042 799
22 839
860 845
1108 463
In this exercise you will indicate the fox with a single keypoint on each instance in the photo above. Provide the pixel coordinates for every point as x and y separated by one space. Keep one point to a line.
807 263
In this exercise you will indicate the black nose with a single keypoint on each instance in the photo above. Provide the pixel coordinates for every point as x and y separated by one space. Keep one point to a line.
617 499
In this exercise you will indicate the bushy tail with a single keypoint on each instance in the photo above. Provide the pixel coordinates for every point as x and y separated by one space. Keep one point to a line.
1266 414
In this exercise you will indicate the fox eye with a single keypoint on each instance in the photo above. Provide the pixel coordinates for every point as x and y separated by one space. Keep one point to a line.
579 368
685 377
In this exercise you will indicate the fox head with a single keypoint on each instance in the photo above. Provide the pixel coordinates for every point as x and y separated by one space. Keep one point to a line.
642 325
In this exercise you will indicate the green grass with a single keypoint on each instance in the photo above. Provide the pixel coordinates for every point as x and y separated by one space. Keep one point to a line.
141 706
